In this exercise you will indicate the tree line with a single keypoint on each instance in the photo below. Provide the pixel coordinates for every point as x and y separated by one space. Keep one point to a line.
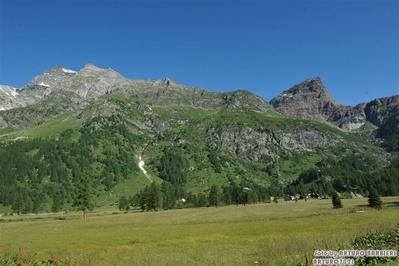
353 173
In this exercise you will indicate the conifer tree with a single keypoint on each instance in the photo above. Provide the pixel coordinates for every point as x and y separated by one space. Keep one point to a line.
134 200
336 201
123 203
37 201
58 203
83 197
154 197
18 204
236 194
214 195
144 194
374 199
168 198
201 200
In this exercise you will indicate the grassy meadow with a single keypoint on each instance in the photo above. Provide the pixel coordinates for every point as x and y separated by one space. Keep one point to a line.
261 234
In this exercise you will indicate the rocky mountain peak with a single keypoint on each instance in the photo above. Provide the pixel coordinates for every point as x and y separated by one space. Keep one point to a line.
308 90
309 100
92 70
60 70
90 65
49 78
166 82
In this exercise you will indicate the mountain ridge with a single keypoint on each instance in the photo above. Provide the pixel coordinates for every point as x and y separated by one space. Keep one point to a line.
307 100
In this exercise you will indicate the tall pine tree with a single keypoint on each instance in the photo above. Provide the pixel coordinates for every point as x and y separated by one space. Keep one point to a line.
83 198
374 199
214 195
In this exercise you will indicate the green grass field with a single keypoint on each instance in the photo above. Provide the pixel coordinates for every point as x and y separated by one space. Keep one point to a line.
262 234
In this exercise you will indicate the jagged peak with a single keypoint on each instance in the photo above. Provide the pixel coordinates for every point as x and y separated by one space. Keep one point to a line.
310 86
311 79
59 70
56 68
309 99
50 77
164 82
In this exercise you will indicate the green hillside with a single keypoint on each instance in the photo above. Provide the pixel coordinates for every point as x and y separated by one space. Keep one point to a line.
191 149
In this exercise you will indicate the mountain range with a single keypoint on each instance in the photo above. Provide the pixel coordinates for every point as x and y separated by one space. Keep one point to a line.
307 100
189 137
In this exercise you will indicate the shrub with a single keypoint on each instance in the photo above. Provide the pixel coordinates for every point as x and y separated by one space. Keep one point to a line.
336 201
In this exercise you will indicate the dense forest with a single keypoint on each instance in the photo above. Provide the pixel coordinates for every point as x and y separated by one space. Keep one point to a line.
41 174
353 173
41 171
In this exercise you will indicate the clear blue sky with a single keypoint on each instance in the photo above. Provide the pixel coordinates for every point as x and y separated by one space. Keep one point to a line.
261 46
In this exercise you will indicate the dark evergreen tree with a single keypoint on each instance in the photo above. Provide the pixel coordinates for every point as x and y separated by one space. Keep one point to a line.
214 195
202 200
374 199
134 201
252 196
123 203
37 202
236 195
226 195
83 198
154 198
18 203
336 201
57 204
144 195
168 198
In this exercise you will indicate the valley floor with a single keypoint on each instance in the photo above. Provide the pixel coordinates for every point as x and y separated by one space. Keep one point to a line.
261 234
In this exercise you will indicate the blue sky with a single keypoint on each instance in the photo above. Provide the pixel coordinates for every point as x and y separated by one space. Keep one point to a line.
261 46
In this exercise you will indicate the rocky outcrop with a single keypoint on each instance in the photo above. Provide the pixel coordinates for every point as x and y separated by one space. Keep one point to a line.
245 143
380 110
264 147
311 100
9 98
308 100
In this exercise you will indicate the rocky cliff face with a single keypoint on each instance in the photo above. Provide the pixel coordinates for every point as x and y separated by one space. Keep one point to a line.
9 98
263 147
311 100
380 110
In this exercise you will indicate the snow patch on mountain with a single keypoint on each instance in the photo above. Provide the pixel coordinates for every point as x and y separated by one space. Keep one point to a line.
42 84
10 91
141 166
68 70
